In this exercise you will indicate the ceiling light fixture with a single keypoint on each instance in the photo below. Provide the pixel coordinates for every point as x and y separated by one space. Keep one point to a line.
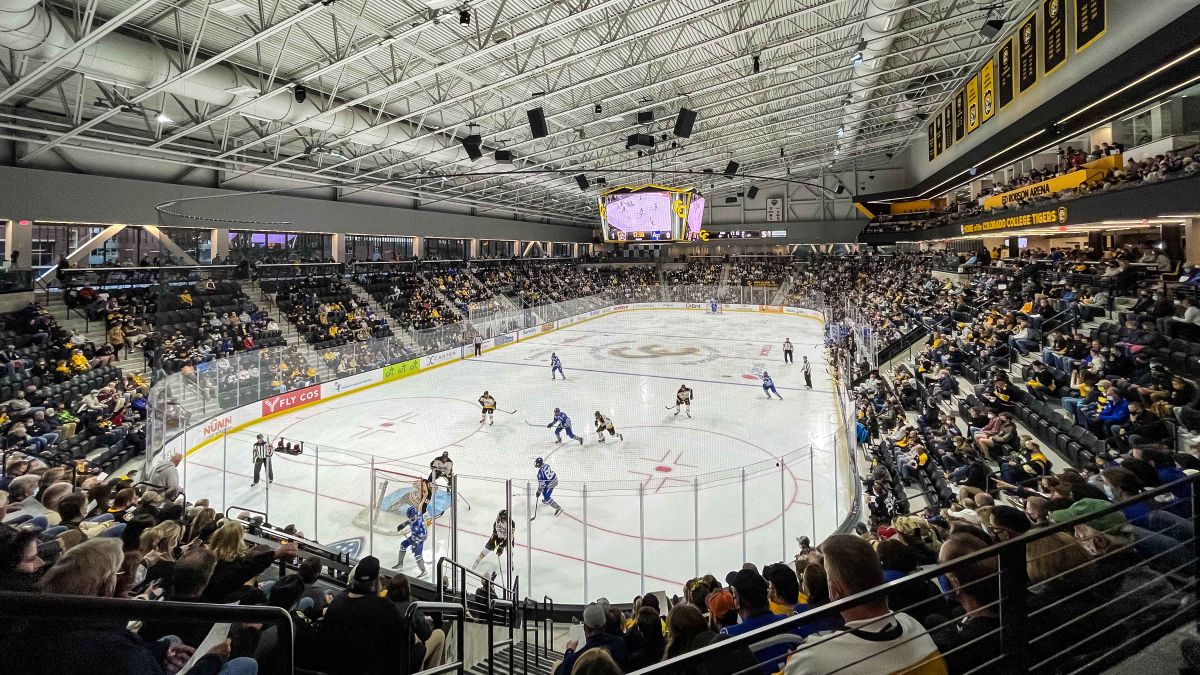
162 118
464 16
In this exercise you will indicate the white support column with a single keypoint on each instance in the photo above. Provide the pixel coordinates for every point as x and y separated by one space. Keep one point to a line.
171 246
339 247
473 248
219 243
19 238
419 247
517 248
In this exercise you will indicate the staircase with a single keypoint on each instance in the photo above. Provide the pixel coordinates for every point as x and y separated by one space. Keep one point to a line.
785 289
447 302
535 665
286 329
723 284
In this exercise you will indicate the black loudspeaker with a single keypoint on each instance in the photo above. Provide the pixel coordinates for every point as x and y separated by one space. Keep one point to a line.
839 189
731 169
504 156
683 123
472 144
731 200
752 192
991 28
582 181
645 117
639 142
537 123
301 93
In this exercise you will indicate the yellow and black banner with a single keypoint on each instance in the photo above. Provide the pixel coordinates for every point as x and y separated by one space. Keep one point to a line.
948 124
973 104
938 143
1027 73
1090 17
1054 35
960 115
1052 217
1004 90
987 91
932 149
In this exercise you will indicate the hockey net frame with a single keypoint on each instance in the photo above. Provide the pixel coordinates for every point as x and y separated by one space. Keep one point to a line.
709 310
392 493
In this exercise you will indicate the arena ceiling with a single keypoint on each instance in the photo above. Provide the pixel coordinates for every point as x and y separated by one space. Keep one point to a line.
783 87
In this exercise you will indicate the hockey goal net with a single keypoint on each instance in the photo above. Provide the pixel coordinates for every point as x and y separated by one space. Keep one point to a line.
394 492
714 307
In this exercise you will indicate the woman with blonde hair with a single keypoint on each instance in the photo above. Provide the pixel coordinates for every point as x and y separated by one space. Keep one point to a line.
202 524
238 564
157 546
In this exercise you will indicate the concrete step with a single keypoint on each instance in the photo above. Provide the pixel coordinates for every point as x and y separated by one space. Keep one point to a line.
533 664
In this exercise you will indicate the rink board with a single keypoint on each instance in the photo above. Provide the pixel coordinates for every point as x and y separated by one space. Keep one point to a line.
652 537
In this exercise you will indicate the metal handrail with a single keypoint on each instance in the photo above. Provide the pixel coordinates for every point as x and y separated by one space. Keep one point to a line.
460 613
493 603
56 607
1012 567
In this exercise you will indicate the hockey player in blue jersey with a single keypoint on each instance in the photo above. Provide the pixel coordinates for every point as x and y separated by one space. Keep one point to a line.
547 481
564 424
416 539
769 386
556 366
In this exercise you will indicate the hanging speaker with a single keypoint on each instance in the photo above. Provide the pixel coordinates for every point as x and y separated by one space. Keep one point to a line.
504 157
840 189
537 123
473 145
752 192
684 122
731 169
582 181
645 117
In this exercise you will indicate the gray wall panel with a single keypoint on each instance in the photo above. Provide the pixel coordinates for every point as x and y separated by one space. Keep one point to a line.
53 195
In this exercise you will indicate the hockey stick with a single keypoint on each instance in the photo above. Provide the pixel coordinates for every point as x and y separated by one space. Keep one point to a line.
510 412
536 501
535 424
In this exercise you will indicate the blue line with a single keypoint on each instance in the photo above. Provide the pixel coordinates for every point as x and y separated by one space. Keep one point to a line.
657 377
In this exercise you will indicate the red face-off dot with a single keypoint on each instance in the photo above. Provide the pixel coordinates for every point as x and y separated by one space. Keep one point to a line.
663 469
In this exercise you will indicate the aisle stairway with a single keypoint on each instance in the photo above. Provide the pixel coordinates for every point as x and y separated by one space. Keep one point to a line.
534 666
723 284
265 304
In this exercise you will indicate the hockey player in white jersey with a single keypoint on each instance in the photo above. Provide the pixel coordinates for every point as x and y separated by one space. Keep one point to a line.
502 532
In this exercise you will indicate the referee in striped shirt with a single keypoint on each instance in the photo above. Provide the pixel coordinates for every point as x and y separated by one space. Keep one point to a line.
262 455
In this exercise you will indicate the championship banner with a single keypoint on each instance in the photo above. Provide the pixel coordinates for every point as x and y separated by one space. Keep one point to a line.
948 124
1054 35
1027 73
932 150
960 115
1051 217
973 104
987 91
937 135
1090 17
1004 89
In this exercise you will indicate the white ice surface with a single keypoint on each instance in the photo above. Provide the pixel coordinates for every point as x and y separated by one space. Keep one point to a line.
627 365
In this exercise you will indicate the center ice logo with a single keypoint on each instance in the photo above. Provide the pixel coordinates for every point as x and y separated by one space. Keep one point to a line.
652 352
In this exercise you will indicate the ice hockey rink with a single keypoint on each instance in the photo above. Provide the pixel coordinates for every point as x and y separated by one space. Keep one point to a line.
737 481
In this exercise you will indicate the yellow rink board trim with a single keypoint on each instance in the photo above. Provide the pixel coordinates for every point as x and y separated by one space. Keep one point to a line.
410 373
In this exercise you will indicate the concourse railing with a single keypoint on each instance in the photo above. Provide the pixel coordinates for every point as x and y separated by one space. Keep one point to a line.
1075 596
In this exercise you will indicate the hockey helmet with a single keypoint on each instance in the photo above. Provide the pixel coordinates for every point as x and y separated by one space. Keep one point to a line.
411 513
537 462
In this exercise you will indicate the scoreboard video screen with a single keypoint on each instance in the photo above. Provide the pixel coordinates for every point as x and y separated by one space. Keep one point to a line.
650 214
